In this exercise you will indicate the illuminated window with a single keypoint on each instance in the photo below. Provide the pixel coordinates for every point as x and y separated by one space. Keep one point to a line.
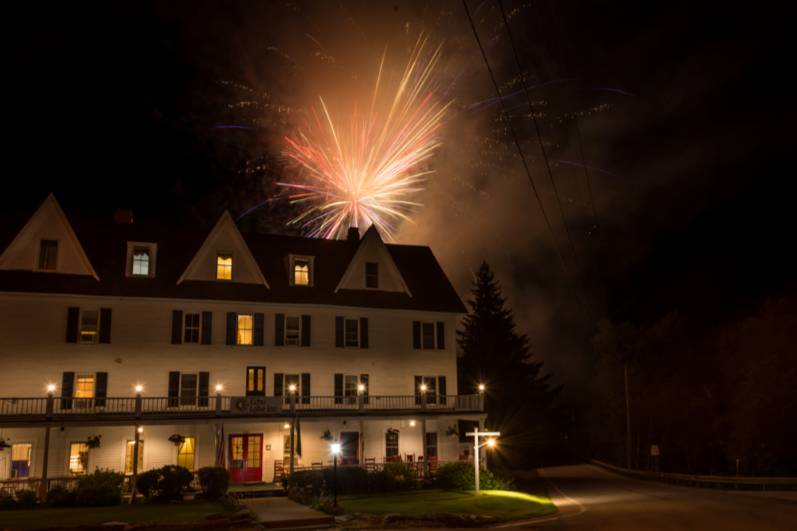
224 266
245 329
129 456
255 381
352 332
88 326
371 275
301 273
141 262
237 451
84 389
292 330
186 453
253 458
191 329
48 255
78 458
20 460
392 443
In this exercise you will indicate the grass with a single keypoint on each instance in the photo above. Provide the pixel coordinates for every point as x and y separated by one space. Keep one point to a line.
503 504
165 513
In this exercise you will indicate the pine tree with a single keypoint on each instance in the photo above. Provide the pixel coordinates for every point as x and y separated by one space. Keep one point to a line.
519 397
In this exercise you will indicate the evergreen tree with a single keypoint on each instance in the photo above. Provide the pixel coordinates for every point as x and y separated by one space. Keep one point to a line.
519 398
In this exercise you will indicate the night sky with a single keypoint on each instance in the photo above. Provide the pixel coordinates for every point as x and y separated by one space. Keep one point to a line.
685 114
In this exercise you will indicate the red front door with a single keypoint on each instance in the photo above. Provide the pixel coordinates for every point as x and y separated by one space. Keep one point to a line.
246 457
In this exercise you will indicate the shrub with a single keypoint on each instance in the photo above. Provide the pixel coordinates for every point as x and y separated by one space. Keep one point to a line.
306 485
103 487
460 476
7 501
27 499
60 496
214 482
394 476
164 484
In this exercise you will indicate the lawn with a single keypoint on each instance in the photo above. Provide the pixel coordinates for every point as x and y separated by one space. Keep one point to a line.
503 504
166 513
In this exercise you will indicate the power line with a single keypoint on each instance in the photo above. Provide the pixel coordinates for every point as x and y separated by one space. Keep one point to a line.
537 130
586 175
505 116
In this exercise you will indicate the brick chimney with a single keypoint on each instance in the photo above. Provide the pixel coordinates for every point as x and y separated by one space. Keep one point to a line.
123 216
353 235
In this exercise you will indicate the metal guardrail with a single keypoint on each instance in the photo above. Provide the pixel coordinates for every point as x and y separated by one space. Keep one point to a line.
716 482
142 408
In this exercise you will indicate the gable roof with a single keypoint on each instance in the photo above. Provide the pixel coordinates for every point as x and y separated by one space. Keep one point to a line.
106 245
20 243
243 258
371 240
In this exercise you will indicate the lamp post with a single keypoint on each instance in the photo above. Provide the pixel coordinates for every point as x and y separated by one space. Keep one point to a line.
490 443
292 401
335 449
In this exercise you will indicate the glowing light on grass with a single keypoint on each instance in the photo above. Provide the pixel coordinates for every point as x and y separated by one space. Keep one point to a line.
368 168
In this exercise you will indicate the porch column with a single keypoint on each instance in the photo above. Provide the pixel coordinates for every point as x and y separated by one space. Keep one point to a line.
45 462
136 441
362 443
423 448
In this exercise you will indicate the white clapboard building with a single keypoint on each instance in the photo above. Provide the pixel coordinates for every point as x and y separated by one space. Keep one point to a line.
220 348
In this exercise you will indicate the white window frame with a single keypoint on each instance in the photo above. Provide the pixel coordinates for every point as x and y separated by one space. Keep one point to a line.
365 275
69 458
224 254
434 335
93 335
238 341
84 401
130 443
298 342
192 400
192 468
292 262
346 344
11 459
152 250
39 254
398 442
198 327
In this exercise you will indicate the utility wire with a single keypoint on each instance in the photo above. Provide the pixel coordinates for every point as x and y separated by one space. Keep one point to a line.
537 130
586 175
505 116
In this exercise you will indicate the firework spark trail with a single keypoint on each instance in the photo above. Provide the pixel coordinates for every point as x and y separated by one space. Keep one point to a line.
368 169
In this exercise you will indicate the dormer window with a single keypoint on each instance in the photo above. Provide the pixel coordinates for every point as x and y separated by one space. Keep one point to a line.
371 275
48 255
141 259
141 262
301 270
224 266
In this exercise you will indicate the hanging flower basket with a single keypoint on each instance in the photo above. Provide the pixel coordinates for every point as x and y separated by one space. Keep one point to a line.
392 431
327 436
177 439
94 441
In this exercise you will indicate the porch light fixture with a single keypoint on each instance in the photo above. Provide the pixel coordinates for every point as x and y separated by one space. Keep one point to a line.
286 426
412 423
219 388
361 388
140 429
423 388
139 388
292 388
51 388
482 387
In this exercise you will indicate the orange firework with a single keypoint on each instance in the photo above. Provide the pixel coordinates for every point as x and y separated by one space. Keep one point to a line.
368 170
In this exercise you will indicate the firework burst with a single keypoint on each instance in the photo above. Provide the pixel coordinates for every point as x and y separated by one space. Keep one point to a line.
368 169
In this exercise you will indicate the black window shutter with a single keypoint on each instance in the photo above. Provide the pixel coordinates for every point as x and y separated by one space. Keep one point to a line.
105 325
177 327
363 332
259 324
279 329
339 331
72 317
277 384
441 388
441 335
100 389
67 387
207 328
364 381
418 382
204 388
416 334
174 388
338 388
306 330
305 388
232 327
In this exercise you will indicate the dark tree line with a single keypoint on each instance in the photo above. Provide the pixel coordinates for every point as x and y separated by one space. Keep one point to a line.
519 398
722 401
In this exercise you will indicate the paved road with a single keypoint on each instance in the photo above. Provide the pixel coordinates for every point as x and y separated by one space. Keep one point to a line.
591 498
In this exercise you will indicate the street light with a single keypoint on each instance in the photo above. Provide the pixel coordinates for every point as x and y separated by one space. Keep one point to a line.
491 442
335 449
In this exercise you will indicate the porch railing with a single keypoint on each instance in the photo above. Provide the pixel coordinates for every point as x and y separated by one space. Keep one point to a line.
140 407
